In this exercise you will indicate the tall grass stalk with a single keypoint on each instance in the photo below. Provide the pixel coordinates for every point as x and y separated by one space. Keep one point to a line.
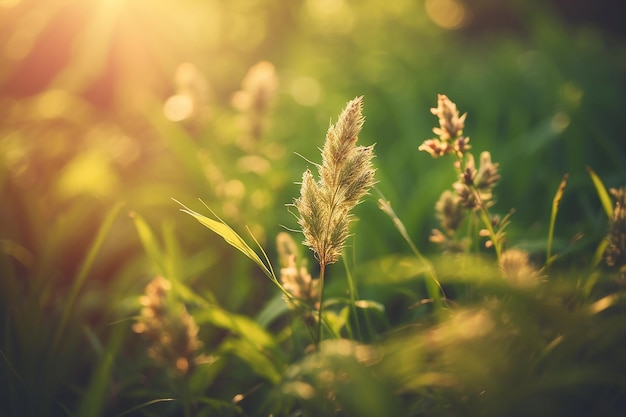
345 176
555 209
433 287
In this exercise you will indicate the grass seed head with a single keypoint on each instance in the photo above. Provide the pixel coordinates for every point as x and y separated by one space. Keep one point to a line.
345 176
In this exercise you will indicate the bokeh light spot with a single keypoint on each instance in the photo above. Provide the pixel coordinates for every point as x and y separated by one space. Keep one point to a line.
305 91
330 15
88 173
448 14
560 122
54 104
178 107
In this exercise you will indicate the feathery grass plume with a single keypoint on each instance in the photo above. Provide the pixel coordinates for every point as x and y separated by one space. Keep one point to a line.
615 254
294 274
345 176
172 332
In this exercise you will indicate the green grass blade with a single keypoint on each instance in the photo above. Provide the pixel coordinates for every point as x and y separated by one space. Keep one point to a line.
433 287
150 243
237 324
230 236
82 274
92 401
599 253
353 299
603 194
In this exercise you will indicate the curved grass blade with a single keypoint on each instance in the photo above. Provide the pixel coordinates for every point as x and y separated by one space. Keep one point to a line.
220 227
82 274
144 405
150 243
603 194
229 235
92 401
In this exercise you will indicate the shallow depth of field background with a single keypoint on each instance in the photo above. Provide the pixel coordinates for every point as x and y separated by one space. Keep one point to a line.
135 101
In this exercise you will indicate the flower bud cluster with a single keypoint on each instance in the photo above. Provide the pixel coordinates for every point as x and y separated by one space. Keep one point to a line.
170 330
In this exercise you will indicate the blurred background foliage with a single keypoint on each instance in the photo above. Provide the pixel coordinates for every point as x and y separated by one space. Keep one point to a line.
137 102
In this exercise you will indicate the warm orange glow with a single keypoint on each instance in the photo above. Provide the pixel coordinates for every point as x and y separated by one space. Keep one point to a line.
9 3
449 14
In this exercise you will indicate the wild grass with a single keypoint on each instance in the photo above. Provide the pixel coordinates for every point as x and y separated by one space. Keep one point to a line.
486 281
503 306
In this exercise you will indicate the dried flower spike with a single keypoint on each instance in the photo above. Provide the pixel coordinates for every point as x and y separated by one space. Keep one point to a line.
450 130
345 176
172 332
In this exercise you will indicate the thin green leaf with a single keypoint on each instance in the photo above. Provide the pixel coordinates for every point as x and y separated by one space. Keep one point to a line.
603 194
92 401
275 308
150 243
256 359
146 404
433 287
599 253
238 324
229 235
82 274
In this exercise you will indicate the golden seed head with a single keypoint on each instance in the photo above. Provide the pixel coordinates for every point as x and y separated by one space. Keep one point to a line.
345 176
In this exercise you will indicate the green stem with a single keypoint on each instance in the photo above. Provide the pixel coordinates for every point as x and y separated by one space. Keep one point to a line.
319 312
353 297
555 209
484 214
433 287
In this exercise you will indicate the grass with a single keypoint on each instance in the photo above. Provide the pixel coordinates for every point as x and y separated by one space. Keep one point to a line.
113 302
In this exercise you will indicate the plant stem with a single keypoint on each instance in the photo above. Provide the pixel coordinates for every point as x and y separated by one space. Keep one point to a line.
353 297
497 245
319 312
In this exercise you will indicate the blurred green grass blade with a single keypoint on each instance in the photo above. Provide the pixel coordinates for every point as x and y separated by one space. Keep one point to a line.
603 194
174 260
240 325
433 287
275 308
93 399
144 405
599 253
260 363
555 209
105 227
254 345
150 243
